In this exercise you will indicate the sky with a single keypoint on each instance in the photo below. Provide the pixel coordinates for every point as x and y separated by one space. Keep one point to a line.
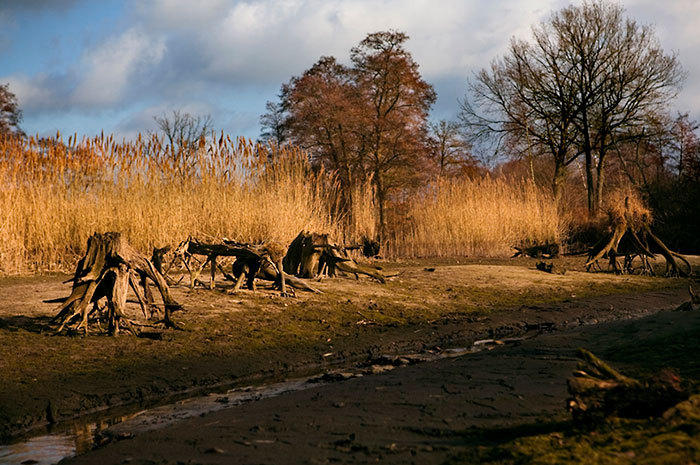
90 66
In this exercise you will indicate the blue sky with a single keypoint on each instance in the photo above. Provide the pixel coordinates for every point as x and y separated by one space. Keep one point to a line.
86 66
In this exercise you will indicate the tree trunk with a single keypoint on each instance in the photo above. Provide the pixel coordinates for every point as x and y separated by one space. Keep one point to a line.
599 181
381 203
558 181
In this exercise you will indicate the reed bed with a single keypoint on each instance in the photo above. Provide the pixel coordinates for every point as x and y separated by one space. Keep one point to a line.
483 217
55 194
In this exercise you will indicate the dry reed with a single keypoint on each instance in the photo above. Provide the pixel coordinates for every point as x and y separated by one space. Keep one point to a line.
54 195
484 217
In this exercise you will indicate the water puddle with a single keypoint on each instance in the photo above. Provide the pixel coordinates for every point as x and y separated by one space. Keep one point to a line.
70 440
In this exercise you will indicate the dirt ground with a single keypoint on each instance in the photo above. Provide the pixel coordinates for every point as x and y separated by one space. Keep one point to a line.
246 338
456 409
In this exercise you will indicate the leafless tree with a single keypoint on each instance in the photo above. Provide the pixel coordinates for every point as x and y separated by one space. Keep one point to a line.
587 78
273 125
10 113
184 135
449 149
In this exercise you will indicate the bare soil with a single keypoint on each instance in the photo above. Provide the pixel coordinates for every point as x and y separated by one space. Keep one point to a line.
470 409
239 339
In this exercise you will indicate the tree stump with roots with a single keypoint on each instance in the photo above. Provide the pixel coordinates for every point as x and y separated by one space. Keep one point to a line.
311 255
632 240
109 268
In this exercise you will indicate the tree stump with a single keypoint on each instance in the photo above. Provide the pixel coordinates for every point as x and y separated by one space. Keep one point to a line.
311 255
110 266
630 223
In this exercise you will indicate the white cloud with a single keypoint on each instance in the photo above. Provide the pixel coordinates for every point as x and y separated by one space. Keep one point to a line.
31 92
176 52
107 72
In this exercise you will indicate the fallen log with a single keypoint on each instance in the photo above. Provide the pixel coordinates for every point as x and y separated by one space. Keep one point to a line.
598 391
535 250
110 266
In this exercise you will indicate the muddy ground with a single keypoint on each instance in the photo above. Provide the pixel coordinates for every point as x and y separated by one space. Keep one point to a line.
478 408
239 339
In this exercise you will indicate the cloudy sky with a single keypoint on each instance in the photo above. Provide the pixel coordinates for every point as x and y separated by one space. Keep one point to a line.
86 66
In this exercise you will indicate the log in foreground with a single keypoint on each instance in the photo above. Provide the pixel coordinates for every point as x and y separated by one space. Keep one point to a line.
598 391
110 266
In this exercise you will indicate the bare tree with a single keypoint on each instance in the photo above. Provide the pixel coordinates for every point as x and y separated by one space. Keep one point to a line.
587 79
525 104
449 150
10 113
184 134
622 75
273 125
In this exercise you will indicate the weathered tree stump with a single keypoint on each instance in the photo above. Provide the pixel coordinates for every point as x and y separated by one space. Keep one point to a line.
311 255
598 391
630 224
110 266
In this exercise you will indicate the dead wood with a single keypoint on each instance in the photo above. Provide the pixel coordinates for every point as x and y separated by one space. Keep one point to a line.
250 259
551 268
107 270
546 250
241 272
311 255
631 239
597 391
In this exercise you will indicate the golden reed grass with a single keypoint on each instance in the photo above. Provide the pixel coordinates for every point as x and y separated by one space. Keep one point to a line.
54 195
483 217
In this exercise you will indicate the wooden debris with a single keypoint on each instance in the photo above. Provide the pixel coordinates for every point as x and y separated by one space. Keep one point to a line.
110 266
551 268
598 391
630 224
311 255
693 304
535 250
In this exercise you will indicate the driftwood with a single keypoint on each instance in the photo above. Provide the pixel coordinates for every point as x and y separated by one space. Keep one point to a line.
241 271
110 266
598 391
311 255
546 250
252 261
630 225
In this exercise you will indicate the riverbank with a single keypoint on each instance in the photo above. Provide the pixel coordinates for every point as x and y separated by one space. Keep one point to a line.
249 338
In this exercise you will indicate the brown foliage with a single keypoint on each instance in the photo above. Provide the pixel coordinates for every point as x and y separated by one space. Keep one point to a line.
366 121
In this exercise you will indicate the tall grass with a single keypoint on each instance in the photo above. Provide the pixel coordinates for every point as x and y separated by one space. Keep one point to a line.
55 194
484 217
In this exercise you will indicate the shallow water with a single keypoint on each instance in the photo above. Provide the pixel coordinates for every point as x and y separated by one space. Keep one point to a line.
72 439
